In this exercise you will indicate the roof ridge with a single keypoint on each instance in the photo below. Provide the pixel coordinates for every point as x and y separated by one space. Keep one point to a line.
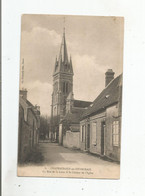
112 81
81 100
103 101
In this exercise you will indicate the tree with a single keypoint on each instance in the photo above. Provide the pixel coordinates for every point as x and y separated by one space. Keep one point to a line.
44 127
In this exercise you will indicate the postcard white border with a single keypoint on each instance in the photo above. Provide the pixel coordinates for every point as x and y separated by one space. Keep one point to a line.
133 131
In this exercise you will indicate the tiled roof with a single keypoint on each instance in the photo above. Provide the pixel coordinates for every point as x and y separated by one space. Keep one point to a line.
109 96
28 104
73 117
77 110
81 104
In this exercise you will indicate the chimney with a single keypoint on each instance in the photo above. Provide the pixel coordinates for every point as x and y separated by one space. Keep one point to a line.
37 110
23 93
109 76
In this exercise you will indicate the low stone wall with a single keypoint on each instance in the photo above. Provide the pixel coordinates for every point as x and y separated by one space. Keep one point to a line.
71 140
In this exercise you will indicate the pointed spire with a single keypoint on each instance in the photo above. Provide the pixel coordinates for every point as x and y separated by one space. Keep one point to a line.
63 49
64 26
62 63
71 67
56 59
56 65
64 31
70 96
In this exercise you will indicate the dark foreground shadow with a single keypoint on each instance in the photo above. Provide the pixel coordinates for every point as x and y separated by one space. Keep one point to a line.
35 157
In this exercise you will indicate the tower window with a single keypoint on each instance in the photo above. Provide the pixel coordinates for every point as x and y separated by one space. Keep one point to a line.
54 111
56 86
65 67
65 87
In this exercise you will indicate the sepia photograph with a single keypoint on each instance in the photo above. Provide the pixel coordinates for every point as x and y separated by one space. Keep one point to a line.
70 96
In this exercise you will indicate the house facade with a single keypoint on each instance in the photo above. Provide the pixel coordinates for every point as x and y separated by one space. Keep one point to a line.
29 123
100 125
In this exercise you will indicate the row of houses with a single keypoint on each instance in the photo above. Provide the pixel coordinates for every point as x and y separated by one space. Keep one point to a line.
97 128
29 124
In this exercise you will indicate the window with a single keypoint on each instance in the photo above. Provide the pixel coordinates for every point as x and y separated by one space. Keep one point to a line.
54 111
81 130
65 87
66 90
65 67
94 133
115 133
55 86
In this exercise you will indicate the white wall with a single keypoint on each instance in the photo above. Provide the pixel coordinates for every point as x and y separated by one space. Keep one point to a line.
71 140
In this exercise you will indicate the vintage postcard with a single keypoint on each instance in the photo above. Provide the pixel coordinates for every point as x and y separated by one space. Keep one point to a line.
70 97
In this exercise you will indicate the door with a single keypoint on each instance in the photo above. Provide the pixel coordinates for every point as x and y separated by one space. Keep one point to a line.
88 136
102 137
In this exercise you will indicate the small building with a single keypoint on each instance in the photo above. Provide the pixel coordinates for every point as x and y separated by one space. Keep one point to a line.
29 123
70 130
100 125
69 126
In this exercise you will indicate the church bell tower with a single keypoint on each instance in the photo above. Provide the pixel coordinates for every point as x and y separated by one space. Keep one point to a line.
62 83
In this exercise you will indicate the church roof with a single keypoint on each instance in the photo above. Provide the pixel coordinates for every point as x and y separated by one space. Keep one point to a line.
74 117
81 104
109 96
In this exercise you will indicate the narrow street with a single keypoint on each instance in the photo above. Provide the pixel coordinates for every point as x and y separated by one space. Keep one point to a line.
59 161
59 156
56 155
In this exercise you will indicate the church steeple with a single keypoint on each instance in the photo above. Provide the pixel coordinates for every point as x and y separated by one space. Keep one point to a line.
63 49
71 67
62 84
63 64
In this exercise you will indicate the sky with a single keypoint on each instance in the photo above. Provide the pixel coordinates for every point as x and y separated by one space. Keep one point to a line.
94 43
